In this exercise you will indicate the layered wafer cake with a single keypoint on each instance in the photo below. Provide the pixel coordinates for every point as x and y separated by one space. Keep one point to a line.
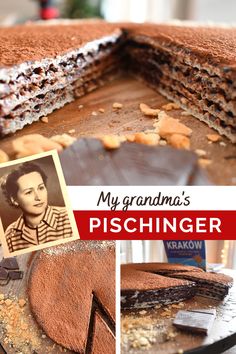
192 66
140 289
44 67
213 285
147 284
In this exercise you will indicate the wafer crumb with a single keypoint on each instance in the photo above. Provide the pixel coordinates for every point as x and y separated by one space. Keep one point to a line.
8 302
200 152
170 106
3 156
143 312
64 140
94 113
222 143
167 126
162 142
81 106
101 110
31 144
148 111
44 119
147 139
111 142
214 137
21 302
71 131
117 105
130 138
179 141
184 113
204 162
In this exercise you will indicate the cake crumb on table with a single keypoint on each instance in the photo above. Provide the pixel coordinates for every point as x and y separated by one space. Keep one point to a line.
204 162
185 113
31 144
147 138
222 143
179 141
3 156
71 131
214 137
148 111
94 113
111 142
81 106
44 119
21 302
170 106
200 152
117 105
168 125
101 110
64 140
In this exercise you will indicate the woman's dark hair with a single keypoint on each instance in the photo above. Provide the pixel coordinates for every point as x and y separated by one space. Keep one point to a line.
9 185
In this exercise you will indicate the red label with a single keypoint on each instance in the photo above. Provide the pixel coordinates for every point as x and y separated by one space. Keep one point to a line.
154 225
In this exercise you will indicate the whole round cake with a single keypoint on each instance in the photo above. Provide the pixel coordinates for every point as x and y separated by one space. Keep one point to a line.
71 291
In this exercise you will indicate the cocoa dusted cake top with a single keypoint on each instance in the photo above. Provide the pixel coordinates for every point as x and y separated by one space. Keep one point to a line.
209 276
216 44
23 43
163 267
134 279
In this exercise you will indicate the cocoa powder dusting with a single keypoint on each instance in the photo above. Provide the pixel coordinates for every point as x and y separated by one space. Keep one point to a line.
23 43
62 285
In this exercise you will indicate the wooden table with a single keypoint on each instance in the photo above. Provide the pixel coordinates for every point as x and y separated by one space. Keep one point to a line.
17 289
129 119
221 337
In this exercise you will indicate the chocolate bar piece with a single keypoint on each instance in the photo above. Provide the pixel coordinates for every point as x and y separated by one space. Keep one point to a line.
86 162
9 263
3 274
199 321
15 274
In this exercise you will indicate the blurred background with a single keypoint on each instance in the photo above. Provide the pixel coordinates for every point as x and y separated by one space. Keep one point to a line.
219 254
18 11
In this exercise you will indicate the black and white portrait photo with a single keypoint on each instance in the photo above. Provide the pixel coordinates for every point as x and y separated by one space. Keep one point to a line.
33 209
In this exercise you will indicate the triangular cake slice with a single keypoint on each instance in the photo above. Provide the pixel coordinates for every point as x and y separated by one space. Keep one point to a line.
142 289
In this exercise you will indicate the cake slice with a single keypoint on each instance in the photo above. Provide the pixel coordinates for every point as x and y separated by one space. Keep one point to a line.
213 285
43 67
141 289
192 66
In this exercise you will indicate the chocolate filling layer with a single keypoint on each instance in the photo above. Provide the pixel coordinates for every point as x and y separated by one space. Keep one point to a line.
149 298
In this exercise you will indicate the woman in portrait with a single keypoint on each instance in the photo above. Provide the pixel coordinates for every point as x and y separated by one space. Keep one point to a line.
26 188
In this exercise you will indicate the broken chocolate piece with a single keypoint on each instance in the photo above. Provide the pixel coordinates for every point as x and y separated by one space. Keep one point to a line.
16 274
9 263
86 162
3 274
